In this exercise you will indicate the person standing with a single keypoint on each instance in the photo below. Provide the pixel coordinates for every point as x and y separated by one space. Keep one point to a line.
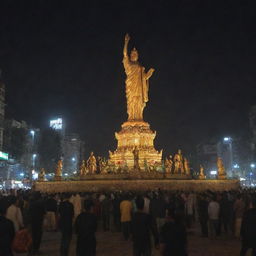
105 212
85 227
7 231
126 216
173 237
51 209
248 230
239 207
14 213
142 225
66 211
213 213
203 214
36 217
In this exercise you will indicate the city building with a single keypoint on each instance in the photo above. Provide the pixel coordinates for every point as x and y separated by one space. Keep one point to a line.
73 151
2 110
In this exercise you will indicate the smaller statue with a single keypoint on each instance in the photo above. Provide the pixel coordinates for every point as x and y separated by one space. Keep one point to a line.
178 163
41 175
186 166
168 164
221 169
92 164
58 171
201 173
100 164
83 169
136 159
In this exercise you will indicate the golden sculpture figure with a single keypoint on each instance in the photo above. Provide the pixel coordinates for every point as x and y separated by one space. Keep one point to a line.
221 169
136 83
41 175
186 166
92 163
136 159
201 173
83 169
168 164
135 132
178 163
58 171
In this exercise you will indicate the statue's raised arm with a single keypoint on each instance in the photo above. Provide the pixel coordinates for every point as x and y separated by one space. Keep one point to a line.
126 41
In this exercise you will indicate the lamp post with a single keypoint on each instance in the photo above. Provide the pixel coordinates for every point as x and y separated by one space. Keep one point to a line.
228 140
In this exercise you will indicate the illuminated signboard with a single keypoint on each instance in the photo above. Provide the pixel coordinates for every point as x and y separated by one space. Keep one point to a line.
3 156
56 124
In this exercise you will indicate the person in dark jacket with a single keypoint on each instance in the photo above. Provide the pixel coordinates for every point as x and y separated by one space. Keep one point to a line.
66 211
203 214
36 216
173 237
248 230
142 225
6 231
85 227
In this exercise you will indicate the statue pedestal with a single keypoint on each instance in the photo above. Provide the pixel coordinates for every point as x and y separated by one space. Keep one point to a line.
135 134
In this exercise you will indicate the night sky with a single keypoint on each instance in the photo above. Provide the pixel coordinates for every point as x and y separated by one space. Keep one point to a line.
65 58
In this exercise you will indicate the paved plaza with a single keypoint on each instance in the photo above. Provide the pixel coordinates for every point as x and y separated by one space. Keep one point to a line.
112 243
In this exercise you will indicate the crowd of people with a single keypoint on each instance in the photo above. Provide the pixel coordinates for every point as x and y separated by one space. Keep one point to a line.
155 218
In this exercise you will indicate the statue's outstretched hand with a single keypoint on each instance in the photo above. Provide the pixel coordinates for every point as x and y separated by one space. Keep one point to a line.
127 37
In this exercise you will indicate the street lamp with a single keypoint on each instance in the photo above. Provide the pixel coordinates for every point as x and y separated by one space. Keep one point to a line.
228 140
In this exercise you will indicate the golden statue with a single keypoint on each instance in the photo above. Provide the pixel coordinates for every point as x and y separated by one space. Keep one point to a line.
41 175
178 163
137 84
100 164
92 163
168 164
136 159
186 166
135 132
221 169
58 171
83 169
201 173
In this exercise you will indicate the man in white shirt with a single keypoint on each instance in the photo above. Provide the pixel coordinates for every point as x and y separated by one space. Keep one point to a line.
213 213
14 213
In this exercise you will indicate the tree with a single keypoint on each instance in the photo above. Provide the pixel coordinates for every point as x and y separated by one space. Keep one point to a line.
49 149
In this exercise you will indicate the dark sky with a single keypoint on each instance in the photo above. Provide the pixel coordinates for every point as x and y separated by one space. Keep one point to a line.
65 58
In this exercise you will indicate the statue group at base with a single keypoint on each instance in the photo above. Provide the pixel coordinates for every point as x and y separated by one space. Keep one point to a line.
177 165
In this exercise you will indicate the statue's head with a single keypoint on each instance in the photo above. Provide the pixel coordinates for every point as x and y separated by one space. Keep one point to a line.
134 56
92 153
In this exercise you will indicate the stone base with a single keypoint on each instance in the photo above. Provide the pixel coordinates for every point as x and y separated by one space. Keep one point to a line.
94 185
135 134
202 177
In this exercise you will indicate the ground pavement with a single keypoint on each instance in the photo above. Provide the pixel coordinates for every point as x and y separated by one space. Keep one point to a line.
112 243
